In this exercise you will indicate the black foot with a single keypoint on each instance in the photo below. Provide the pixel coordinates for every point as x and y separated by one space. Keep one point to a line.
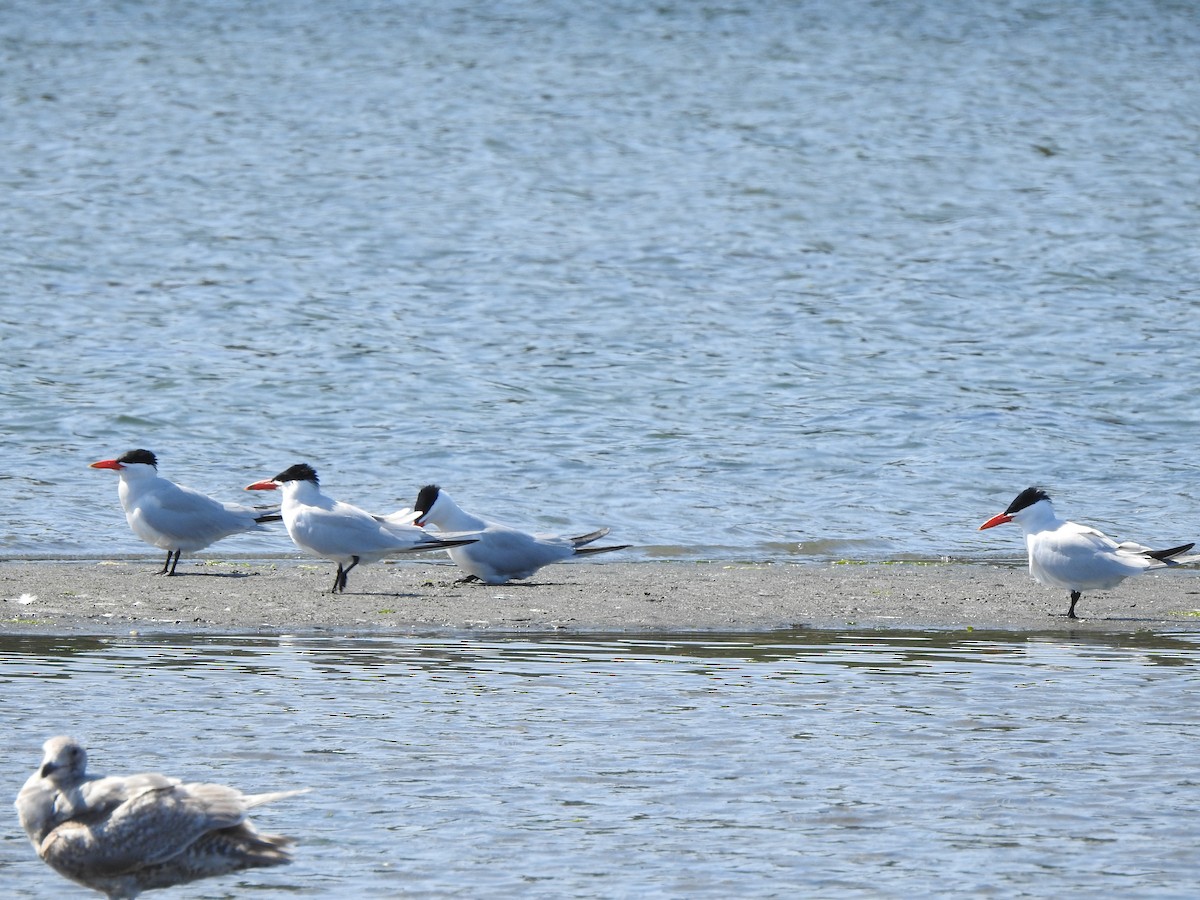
1075 595
469 579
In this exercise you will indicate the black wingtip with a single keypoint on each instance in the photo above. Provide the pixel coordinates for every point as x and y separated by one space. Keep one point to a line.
1164 555
592 551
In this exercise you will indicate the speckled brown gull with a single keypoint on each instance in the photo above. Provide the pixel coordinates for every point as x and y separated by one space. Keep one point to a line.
121 835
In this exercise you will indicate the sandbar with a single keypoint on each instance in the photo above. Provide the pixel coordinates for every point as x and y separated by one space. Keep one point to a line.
288 595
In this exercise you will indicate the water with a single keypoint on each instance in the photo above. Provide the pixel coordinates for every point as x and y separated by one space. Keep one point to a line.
892 764
756 279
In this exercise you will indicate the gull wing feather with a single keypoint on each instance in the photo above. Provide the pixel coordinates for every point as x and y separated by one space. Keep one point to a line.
147 829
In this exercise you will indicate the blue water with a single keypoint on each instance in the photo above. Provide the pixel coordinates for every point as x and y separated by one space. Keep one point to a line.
783 280
889 764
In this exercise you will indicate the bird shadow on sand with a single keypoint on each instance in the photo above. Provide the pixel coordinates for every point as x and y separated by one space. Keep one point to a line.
478 585
408 594
214 575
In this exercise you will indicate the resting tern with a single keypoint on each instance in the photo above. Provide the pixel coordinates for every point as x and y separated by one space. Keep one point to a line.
1076 557
501 553
343 533
172 517
122 835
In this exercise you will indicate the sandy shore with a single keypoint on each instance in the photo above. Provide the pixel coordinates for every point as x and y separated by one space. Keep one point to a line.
292 595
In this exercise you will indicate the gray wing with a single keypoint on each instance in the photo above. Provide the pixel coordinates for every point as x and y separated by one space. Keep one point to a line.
149 828
182 512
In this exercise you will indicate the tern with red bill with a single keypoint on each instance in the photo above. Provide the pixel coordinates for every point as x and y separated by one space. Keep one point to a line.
173 517
502 553
1075 557
343 533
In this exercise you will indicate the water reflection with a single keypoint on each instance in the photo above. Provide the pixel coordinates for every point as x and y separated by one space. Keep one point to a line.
532 655
797 762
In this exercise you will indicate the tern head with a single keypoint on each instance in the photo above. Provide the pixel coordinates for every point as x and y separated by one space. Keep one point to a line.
63 758
426 500
1023 501
129 458
298 472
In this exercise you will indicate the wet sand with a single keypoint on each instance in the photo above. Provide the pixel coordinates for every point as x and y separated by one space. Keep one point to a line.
292 595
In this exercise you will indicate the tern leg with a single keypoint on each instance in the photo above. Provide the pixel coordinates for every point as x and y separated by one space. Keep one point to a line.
469 579
339 581
168 568
1074 599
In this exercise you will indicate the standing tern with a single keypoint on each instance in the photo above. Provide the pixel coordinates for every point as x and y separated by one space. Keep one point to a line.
501 553
1076 557
343 533
121 835
172 517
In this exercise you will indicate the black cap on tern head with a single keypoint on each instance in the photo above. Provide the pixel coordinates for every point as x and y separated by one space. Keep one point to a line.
426 498
1026 498
138 456
298 472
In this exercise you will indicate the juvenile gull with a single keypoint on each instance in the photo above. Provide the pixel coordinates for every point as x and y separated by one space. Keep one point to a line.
121 835
502 553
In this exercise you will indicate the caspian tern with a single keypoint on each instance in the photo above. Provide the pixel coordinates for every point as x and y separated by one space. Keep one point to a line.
1076 557
501 553
172 517
122 835
343 533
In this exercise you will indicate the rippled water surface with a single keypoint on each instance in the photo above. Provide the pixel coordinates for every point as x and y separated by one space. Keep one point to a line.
784 279
793 764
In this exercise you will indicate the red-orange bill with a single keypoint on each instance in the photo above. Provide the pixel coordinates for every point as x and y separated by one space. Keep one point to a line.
996 520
